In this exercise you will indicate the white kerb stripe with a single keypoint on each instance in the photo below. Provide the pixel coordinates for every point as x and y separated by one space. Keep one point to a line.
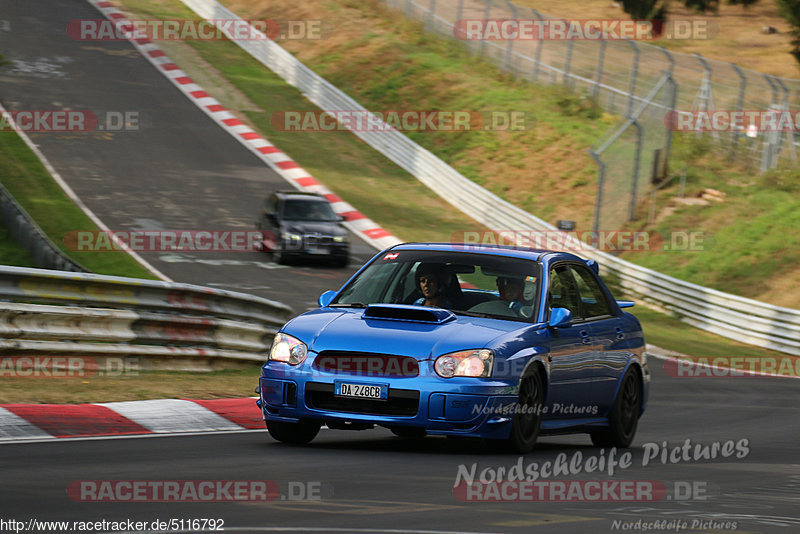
13 426
171 415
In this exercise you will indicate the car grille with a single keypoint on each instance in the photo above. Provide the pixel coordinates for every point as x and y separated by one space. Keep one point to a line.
318 240
400 401
366 363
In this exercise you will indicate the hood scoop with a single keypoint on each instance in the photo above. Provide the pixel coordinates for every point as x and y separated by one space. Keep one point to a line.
404 312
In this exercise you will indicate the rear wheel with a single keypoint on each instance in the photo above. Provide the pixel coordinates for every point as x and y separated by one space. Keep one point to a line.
528 417
297 433
624 416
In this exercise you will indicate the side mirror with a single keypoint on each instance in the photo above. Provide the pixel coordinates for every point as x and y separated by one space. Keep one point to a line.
626 303
326 298
560 318
340 218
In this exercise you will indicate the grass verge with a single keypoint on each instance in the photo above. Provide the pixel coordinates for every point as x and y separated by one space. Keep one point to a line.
28 181
229 383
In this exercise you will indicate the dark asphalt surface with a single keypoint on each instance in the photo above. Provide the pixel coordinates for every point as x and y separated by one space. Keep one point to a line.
180 171
177 171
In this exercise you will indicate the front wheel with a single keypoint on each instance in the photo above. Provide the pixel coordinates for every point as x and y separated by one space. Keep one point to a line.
296 433
527 417
624 416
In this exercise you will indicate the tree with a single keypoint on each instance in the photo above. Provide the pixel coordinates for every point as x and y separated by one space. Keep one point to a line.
790 9
744 3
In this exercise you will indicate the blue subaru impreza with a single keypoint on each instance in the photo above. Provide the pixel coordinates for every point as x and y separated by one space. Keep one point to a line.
477 341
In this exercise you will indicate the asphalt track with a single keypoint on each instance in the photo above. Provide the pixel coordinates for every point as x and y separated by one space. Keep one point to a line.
177 170
181 171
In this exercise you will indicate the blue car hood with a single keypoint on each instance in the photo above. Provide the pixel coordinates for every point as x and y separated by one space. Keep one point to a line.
347 330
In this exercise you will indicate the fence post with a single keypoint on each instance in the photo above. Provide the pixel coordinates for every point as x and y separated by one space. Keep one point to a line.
486 11
634 76
739 103
785 107
600 182
538 59
673 96
568 60
460 11
601 56
510 44
432 16
636 161
768 154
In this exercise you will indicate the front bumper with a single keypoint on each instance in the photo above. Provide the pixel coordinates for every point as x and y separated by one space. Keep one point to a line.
317 247
458 406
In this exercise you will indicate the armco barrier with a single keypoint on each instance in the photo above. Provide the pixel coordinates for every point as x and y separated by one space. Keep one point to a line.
745 320
175 326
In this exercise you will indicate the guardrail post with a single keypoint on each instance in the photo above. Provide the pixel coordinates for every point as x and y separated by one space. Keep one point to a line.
672 96
459 11
432 15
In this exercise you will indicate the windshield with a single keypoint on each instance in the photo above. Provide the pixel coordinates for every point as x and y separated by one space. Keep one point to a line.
463 282
308 210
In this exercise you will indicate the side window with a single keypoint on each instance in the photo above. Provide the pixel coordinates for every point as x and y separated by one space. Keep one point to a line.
563 293
592 297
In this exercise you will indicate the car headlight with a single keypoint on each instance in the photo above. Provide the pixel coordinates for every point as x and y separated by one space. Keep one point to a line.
293 237
475 362
340 239
288 349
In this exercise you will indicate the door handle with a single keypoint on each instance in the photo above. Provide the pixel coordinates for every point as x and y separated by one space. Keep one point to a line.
585 337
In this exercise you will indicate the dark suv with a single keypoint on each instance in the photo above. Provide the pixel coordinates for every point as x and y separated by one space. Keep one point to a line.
296 224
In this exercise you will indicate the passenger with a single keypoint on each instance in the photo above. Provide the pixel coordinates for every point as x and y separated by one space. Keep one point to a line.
431 281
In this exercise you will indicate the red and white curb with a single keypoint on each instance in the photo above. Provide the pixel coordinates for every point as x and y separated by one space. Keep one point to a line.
49 422
281 163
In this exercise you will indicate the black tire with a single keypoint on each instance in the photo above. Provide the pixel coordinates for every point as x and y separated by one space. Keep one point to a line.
528 418
341 262
295 433
624 417
409 432
279 255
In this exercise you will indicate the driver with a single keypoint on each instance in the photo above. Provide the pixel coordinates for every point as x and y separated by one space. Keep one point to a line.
512 291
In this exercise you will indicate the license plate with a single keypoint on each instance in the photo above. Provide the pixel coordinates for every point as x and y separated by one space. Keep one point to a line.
361 391
318 250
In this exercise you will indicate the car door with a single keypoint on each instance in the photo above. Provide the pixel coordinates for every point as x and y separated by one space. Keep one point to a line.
611 354
572 351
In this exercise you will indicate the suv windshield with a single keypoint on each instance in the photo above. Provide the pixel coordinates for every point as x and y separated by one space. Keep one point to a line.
308 210
463 282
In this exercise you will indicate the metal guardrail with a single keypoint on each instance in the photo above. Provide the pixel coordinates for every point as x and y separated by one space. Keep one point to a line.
176 326
734 317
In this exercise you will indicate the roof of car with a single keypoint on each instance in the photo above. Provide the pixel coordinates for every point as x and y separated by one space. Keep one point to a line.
498 250
304 194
